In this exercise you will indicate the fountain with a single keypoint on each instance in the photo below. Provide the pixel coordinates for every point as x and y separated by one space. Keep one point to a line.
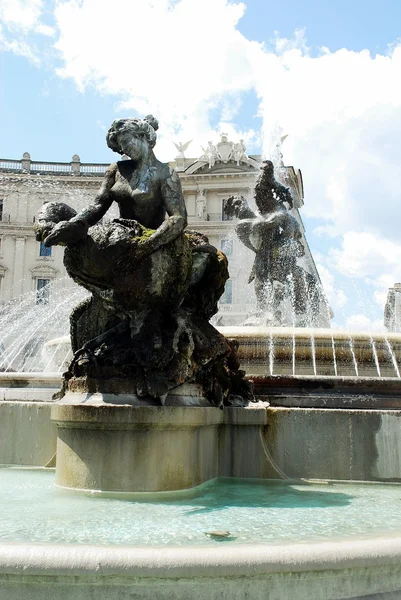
275 237
143 338
163 455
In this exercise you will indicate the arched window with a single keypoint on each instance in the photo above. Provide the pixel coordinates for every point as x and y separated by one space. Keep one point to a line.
42 291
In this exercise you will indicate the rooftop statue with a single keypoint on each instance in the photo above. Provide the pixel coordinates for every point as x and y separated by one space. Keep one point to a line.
274 235
181 148
224 151
153 286
209 154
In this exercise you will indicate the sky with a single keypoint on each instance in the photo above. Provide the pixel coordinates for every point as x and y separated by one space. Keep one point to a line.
328 73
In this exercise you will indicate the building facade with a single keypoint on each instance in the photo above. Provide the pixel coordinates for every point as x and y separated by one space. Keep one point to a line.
392 309
27 266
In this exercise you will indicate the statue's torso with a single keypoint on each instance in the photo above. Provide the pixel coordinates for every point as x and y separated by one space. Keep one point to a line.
139 198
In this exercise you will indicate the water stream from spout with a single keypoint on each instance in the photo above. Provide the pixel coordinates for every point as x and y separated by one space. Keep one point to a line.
333 346
392 356
375 357
308 302
313 351
334 355
351 347
271 353
291 294
293 350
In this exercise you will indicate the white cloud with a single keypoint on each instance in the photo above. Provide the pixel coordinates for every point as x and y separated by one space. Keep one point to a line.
45 30
178 60
368 256
343 113
18 47
22 14
360 322
380 296
21 19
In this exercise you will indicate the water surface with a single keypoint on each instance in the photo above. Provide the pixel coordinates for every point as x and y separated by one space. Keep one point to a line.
32 509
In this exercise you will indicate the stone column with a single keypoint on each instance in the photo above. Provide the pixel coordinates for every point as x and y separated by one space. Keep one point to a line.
76 165
26 162
18 270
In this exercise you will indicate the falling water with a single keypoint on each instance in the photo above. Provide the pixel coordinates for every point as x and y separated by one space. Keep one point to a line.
392 356
271 353
291 294
50 361
53 362
25 325
376 359
333 347
312 343
309 308
351 347
334 355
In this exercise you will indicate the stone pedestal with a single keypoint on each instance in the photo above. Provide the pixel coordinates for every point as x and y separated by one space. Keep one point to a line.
126 447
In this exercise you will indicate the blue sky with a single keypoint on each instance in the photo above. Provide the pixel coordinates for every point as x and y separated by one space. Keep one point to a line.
327 72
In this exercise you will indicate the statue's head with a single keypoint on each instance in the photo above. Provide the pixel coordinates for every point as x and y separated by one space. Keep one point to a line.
123 132
265 198
267 169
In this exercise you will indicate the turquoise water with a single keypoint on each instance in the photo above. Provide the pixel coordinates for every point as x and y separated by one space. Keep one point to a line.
32 509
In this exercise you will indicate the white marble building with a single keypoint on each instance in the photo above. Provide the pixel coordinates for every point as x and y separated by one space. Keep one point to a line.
392 309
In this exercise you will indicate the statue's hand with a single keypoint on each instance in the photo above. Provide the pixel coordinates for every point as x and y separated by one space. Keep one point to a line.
66 232
42 229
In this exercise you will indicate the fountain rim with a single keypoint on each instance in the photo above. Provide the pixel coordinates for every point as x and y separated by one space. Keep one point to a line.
263 332
200 561
257 332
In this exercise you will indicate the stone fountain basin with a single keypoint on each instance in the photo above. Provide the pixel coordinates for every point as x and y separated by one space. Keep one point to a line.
323 428
297 351
347 444
354 567
328 571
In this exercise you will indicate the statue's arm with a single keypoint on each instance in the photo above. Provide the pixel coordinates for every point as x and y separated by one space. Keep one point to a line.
284 195
75 229
244 231
237 206
94 212
177 213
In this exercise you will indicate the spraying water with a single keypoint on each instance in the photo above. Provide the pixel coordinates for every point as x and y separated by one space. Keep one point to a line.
29 321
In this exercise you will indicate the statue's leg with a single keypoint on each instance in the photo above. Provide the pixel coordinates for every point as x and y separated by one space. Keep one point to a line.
263 292
300 291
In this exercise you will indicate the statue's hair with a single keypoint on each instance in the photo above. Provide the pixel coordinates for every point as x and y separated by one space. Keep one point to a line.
147 126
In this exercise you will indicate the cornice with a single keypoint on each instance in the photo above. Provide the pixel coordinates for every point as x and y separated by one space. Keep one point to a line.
17 229
211 227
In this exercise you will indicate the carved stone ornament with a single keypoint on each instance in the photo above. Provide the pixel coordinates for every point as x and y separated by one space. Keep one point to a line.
225 149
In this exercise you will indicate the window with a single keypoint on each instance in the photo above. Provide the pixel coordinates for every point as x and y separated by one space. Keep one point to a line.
42 291
227 297
227 247
1 209
225 217
44 250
